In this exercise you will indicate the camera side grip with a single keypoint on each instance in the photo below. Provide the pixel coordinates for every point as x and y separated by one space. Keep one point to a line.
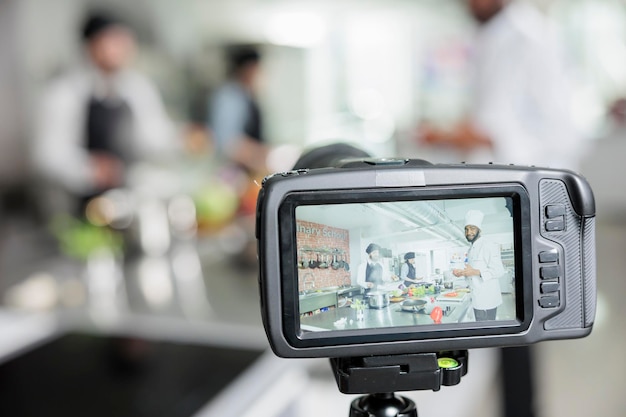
568 284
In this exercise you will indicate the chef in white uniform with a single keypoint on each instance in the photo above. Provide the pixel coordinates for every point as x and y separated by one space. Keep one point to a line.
521 107
483 269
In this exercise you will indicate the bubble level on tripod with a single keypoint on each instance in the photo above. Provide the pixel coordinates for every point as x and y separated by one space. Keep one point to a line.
447 363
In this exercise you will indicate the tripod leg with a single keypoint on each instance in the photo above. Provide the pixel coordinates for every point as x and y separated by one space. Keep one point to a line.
518 384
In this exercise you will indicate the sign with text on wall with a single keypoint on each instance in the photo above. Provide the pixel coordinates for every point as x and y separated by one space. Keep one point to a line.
324 260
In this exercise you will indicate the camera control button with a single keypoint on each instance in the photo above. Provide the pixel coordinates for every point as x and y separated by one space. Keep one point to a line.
550 287
555 210
549 272
549 256
549 301
555 225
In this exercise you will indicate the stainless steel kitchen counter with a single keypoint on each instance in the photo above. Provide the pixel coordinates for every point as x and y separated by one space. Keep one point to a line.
390 316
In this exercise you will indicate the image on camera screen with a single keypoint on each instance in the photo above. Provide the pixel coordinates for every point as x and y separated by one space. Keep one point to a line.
405 263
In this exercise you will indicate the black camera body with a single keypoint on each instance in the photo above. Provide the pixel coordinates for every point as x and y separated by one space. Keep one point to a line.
318 232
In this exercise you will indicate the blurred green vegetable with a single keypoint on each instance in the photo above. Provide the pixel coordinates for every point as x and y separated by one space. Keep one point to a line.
216 204
419 291
78 239
396 293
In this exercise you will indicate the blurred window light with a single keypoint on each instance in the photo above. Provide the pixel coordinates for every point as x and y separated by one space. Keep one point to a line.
368 104
587 109
190 286
379 130
370 29
114 208
105 285
37 292
594 33
186 264
604 29
282 158
155 281
612 59
181 211
154 233
295 29
100 211
233 239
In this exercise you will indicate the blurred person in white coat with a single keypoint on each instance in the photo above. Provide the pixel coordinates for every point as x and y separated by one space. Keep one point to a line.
98 119
520 114
520 109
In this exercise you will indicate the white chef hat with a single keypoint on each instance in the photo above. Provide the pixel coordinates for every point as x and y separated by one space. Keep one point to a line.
474 218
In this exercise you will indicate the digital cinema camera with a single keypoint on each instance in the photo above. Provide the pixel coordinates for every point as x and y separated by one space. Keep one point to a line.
547 216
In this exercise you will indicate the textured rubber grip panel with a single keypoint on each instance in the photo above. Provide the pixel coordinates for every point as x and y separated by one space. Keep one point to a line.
589 268
572 316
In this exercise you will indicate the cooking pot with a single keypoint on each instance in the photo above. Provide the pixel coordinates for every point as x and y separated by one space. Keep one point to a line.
344 263
324 263
304 262
378 299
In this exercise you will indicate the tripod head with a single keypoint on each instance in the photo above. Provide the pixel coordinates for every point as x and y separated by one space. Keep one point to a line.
381 376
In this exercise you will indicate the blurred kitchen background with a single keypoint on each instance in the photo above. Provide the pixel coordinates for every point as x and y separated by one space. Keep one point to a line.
148 305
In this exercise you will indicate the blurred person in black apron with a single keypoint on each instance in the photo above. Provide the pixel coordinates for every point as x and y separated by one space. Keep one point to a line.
97 120
235 118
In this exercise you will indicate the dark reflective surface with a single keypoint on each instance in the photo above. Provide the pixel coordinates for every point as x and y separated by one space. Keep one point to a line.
80 374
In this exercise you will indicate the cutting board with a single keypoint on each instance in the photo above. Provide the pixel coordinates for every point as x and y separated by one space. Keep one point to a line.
460 296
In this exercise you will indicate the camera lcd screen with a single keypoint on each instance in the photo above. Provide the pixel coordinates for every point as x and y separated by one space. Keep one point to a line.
421 263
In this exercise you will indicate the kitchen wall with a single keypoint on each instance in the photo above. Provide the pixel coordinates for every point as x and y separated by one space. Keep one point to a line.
319 242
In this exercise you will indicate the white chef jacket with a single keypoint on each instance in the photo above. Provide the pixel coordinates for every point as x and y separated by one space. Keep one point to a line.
485 256
59 147
522 95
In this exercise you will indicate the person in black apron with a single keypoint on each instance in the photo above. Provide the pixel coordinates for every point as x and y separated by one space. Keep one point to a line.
372 273
96 119
108 117
245 67
408 272
235 118
108 133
